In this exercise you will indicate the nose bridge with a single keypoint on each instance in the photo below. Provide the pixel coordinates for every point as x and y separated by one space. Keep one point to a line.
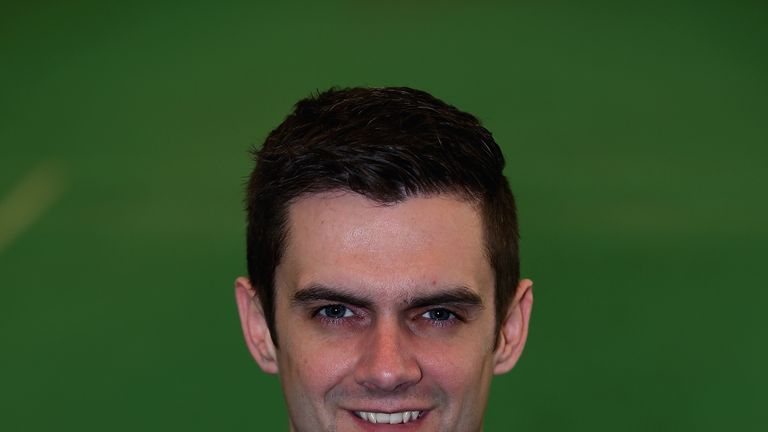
389 363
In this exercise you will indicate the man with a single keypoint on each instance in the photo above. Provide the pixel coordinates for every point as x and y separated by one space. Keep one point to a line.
383 266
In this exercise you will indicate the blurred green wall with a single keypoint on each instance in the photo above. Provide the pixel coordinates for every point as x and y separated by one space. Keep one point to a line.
635 134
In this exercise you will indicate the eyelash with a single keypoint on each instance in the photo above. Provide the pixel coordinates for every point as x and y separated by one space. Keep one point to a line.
330 320
453 318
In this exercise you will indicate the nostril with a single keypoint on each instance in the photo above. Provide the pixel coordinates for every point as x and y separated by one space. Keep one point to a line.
388 371
389 363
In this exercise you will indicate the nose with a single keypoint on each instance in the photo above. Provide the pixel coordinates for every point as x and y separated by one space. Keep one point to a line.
389 364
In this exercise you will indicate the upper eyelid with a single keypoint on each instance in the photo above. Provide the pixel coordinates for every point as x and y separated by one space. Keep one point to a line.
348 309
456 314
454 309
317 309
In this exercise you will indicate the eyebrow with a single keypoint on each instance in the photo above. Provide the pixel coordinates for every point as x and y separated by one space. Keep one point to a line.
457 296
316 293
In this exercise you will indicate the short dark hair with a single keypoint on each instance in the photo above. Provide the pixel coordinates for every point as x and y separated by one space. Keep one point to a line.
387 144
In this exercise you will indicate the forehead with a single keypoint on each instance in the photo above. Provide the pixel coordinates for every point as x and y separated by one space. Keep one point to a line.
344 239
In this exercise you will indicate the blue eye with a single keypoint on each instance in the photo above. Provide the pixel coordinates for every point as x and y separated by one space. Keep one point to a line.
439 315
335 311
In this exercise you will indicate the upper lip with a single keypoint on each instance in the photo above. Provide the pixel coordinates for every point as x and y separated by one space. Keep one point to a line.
388 410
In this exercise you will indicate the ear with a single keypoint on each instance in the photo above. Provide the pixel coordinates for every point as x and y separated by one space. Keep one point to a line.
255 329
514 329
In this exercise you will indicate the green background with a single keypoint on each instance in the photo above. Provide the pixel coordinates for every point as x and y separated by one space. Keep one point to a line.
635 134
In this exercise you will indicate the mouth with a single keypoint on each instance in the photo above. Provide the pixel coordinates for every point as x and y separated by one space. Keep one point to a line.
393 418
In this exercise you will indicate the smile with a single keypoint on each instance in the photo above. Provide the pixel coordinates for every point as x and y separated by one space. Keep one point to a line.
388 418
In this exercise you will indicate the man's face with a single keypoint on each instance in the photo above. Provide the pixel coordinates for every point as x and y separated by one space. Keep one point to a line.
383 311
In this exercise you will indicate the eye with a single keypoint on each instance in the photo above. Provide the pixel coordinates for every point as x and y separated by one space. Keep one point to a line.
439 315
335 311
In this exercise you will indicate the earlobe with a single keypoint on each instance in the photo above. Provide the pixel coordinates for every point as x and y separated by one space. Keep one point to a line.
254 324
514 329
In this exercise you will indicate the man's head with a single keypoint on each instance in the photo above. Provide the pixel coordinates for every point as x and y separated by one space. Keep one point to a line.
383 262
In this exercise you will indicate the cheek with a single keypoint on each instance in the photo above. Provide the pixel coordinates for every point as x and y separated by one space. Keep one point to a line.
312 364
307 362
457 368
461 368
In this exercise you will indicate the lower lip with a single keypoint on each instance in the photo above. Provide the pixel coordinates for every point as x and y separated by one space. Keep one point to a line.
379 427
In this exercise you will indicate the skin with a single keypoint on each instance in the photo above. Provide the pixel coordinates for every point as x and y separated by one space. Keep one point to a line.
385 308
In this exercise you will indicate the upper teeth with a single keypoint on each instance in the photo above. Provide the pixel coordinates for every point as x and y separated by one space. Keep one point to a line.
393 418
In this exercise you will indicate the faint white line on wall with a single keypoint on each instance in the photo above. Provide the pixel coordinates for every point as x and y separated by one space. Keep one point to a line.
28 200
